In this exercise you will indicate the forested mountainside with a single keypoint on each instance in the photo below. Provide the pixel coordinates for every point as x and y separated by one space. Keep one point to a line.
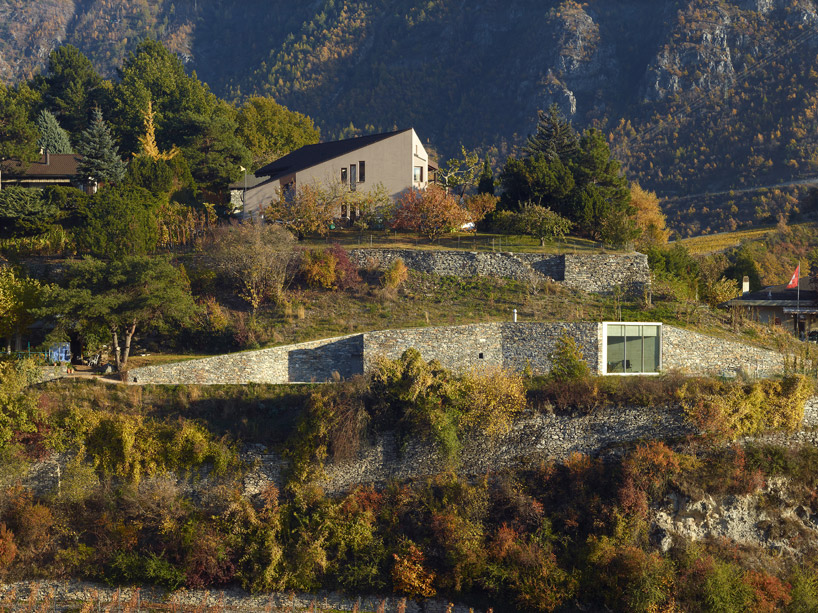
697 95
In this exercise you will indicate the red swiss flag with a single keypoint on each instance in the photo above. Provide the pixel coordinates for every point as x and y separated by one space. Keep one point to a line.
794 281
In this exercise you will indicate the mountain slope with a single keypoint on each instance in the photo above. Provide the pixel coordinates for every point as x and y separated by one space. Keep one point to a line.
697 95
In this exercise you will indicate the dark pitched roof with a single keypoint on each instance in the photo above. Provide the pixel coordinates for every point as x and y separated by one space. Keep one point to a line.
780 293
59 165
312 155
252 181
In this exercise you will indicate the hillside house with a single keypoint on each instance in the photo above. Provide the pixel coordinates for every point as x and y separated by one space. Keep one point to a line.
396 160
795 310
50 169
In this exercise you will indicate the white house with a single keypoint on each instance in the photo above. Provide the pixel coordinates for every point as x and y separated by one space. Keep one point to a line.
396 160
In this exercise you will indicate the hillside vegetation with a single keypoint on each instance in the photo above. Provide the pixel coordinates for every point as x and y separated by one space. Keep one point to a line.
716 95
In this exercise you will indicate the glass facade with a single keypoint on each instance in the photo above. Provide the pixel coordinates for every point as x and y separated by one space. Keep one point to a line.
633 348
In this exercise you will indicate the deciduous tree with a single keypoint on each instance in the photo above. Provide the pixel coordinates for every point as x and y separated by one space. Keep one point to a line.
270 130
121 296
431 213
537 221
19 295
649 217
255 257
310 210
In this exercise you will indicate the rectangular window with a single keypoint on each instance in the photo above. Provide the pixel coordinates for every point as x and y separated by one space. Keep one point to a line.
632 348
361 172
418 174
353 177
344 176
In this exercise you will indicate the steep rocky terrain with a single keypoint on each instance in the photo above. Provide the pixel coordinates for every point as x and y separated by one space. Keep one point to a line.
697 95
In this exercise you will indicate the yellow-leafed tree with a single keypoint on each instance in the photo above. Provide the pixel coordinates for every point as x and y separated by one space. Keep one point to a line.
149 148
649 217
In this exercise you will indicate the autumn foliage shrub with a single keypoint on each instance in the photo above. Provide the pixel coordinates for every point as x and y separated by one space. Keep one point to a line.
8 548
395 275
408 573
347 275
318 268
738 409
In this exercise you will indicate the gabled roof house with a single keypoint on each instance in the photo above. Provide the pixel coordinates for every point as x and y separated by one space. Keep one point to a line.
396 160
50 169
796 309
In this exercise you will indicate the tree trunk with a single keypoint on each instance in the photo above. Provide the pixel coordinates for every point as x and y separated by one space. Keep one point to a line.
542 241
128 336
116 348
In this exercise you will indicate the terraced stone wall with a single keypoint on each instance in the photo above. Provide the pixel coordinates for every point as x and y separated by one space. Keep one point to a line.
590 272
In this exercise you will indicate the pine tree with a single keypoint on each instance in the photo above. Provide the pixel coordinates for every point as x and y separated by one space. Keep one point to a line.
555 137
52 137
101 156
485 182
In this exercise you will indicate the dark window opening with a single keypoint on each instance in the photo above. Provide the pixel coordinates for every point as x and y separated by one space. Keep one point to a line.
344 176
480 356
361 172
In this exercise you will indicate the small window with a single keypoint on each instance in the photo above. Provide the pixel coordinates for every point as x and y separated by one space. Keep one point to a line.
353 176
418 174
344 176
480 356
361 172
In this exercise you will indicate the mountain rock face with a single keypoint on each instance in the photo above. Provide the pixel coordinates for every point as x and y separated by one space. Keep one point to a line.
696 95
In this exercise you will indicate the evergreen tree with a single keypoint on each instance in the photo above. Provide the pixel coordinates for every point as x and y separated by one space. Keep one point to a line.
52 137
72 88
601 191
555 137
485 182
18 135
101 156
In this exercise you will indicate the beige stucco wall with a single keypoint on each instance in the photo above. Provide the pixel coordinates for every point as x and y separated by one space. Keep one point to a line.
389 162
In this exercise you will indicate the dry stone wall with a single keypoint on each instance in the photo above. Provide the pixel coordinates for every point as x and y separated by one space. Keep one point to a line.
460 348
589 272
698 353
314 361
463 348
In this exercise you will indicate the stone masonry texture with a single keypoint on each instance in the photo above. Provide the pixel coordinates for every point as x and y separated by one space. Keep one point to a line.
601 272
460 348
701 354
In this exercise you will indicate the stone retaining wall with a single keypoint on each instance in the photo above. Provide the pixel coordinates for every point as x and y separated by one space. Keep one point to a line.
459 348
589 272
698 353
314 361
463 348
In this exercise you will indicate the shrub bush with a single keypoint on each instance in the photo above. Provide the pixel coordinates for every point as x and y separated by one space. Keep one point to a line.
567 362
318 268
738 408
395 275
408 573
347 275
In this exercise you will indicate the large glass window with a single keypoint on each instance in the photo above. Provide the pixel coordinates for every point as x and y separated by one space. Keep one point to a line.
633 348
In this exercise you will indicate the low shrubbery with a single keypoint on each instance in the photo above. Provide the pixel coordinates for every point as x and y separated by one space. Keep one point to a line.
413 397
